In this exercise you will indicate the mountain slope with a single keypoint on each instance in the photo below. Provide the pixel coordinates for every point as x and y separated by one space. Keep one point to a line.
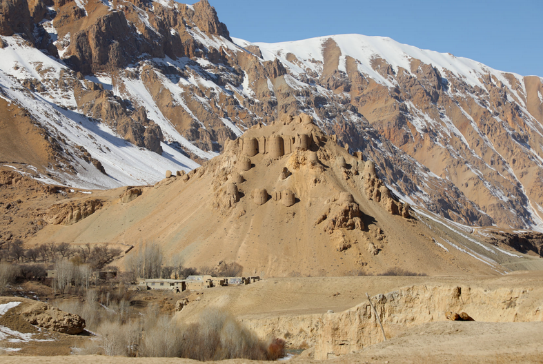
162 85
469 124
283 200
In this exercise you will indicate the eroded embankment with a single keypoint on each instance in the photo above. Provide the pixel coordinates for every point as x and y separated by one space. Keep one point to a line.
345 332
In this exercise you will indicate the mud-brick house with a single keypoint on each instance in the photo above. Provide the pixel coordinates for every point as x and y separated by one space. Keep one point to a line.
196 283
176 285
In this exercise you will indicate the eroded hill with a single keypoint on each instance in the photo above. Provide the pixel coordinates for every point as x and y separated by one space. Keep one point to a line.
283 200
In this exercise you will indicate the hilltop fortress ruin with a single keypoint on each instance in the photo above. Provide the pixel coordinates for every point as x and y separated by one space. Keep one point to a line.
304 145
283 200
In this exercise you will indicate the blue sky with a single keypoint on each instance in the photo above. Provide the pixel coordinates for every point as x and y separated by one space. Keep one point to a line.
506 35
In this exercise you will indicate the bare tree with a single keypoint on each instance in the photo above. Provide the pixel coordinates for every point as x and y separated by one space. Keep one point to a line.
102 255
83 254
66 273
52 251
16 250
64 250
146 262
85 275
43 251
32 254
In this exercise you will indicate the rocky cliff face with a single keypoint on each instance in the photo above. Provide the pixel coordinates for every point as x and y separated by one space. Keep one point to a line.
335 334
445 133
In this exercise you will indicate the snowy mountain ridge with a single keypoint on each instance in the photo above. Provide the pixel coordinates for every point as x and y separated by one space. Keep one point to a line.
148 86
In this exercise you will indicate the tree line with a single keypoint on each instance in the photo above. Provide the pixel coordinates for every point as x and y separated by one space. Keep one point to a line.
96 256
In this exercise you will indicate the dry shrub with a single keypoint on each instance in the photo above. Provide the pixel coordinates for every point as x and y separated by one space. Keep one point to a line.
219 336
92 311
8 273
396 271
120 340
164 339
216 336
276 349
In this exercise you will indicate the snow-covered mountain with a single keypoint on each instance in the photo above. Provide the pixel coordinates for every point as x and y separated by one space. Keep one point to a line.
102 94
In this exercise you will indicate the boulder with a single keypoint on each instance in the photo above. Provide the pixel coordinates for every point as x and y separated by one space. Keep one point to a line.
168 174
462 316
284 174
226 197
342 215
131 194
51 318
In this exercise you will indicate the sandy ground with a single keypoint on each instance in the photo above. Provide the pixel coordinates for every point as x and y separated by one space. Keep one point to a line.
439 342
301 296
436 342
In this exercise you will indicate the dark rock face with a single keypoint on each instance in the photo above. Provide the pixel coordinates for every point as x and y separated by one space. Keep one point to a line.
15 18
112 42
522 242
106 45
206 19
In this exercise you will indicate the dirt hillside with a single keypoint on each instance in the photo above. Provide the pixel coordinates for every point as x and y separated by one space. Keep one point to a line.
284 200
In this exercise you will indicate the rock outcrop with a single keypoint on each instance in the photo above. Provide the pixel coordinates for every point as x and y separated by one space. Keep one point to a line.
354 329
522 241
375 190
131 194
159 72
72 212
342 214
51 318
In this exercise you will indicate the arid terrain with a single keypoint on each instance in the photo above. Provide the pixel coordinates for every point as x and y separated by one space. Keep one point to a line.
168 191
310 314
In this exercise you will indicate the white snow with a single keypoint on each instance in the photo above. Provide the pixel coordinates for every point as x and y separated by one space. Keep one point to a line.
270 85
12 335
472 254
246 87
508 253
81 4
440 245
232 127
124 163
540 96
165 3
7 306
138 92
20 61
365 48
102 79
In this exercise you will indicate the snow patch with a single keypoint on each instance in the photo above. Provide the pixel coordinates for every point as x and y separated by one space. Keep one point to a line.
232 126
7 306
81 4
440 245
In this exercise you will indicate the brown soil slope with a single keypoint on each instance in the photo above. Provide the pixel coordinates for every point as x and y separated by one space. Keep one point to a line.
283 200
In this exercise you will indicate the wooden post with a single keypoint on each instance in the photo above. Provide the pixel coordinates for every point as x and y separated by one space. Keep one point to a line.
376 316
